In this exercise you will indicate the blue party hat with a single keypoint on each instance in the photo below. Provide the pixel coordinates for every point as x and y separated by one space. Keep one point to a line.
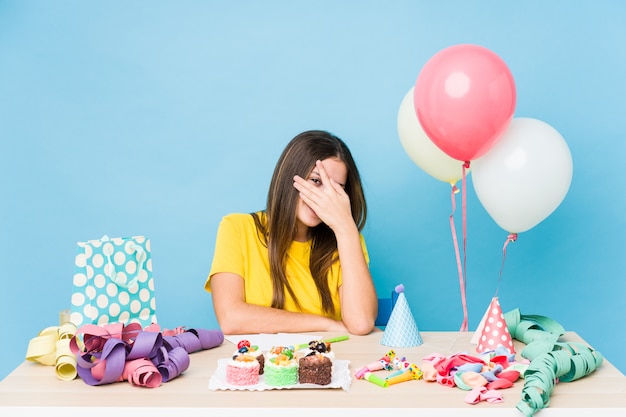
401 330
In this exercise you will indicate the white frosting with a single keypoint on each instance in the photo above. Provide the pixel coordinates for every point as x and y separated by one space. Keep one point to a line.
243 364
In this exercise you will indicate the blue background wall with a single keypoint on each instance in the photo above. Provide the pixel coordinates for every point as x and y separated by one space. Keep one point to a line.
158 117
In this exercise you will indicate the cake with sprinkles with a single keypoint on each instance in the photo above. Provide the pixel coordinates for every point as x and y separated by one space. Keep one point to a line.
242 369
281 367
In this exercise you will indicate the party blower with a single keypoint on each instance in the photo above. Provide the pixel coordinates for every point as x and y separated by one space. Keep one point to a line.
410 373
382 363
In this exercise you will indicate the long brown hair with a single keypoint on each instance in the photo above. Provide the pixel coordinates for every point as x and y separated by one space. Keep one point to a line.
277 230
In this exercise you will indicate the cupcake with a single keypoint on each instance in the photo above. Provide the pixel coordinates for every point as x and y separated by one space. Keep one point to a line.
242 369
281 367
245 348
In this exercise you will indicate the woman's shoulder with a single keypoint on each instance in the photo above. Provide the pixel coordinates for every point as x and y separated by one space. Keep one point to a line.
244 220
237 216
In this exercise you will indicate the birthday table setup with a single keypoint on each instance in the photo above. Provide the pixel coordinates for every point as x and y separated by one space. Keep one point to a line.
108 354
428 383
514 364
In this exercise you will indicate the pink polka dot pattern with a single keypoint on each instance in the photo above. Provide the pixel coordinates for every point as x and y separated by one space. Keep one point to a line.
495 331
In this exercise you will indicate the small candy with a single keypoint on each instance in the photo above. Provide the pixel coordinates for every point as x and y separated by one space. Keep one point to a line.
282 358
276 350
319 346
243 343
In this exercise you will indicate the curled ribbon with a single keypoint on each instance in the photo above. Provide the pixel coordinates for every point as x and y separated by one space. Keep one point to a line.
550 361
143 357
141 373
51 348
117 352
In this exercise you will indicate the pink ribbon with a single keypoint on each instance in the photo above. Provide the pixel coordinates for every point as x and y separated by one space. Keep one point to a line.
142 373
461 267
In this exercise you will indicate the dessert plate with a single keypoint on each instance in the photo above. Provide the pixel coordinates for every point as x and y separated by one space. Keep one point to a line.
340 379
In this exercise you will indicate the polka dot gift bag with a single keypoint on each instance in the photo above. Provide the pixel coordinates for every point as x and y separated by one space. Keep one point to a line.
113 282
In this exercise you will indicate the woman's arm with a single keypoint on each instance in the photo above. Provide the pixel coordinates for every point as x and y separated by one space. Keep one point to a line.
235 316
359 302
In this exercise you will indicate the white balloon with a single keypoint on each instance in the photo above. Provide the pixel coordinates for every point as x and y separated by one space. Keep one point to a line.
525 176
421 149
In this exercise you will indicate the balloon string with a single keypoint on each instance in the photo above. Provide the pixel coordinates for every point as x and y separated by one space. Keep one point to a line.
466 166
458 257
512 237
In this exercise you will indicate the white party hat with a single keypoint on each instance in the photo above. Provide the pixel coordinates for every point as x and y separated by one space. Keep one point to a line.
479 330
494 331
401 330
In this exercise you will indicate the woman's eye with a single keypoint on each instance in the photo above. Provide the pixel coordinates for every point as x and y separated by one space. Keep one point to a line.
316 181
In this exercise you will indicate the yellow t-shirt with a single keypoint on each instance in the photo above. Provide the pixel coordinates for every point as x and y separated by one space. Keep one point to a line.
239 250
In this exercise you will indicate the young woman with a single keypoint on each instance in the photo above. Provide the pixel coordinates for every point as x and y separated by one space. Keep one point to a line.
301 264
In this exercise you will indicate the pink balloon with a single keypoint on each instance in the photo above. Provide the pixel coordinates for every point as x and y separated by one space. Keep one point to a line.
465 99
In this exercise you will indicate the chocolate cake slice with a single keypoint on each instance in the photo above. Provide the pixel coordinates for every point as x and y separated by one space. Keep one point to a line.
315 368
